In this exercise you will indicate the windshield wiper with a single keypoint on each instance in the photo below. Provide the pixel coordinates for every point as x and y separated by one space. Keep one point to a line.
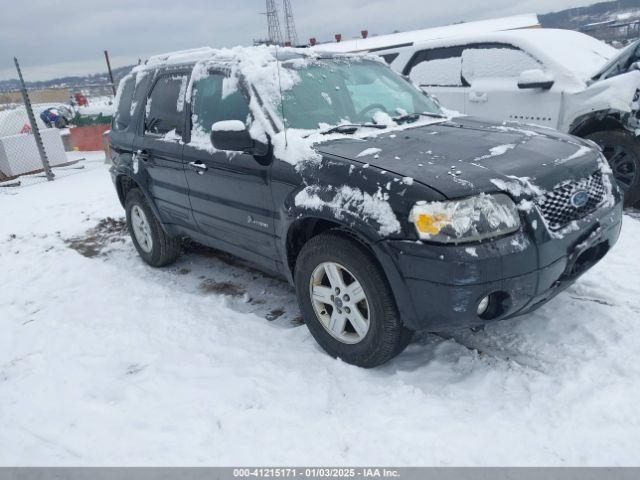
351 128
412 117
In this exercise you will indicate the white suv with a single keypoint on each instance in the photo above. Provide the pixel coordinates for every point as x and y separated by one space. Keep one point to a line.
556 78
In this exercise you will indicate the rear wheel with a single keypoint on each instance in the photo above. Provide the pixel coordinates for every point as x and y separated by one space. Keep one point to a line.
346 301
622 150
152 243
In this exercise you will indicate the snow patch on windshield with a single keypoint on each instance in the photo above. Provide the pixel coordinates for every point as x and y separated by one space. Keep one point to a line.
347 202
383 118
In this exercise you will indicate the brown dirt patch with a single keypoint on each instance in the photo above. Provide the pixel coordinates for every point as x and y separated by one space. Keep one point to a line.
95 240
222 288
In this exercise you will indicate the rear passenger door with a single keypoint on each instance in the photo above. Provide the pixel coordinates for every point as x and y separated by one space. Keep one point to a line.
230 191
438 71
158 147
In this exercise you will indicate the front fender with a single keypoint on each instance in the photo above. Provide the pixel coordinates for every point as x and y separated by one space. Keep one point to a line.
369 213
615 98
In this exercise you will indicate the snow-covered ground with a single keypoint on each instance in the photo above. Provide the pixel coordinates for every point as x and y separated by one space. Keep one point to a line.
105 361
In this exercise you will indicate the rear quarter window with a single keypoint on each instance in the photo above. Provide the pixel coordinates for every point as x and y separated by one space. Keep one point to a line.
124 98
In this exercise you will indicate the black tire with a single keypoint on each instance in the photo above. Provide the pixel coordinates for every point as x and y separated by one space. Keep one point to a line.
164 249
386 336
623 152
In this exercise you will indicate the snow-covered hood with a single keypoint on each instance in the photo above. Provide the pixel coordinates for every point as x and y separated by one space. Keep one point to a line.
465 157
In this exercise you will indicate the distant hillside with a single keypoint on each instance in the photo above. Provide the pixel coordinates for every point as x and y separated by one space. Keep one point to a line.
68 82
605 20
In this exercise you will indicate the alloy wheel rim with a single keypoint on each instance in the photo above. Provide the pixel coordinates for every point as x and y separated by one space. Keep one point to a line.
141 229
623 164
340 303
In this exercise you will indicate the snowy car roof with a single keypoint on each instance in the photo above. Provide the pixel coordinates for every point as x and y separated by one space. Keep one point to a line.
230 55
395 40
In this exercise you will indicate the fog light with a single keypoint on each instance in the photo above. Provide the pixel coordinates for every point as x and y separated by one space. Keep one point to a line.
483 306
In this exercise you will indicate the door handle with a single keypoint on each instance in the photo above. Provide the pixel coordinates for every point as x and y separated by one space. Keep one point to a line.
199 167
478 97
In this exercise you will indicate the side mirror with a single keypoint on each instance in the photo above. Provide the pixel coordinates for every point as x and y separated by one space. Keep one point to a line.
535 79
232 135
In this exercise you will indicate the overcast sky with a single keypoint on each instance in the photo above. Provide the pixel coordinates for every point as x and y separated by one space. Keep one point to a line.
54 38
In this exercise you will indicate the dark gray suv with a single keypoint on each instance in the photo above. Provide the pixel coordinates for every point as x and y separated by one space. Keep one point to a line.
386 214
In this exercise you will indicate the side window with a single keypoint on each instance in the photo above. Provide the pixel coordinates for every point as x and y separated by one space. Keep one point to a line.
215 98
390 57
165 105
496 61
440 67
122 117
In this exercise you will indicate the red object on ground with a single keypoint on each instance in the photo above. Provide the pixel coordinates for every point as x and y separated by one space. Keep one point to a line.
89 138
81 100
26 128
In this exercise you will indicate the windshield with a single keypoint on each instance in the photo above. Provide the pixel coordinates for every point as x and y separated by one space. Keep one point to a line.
338 91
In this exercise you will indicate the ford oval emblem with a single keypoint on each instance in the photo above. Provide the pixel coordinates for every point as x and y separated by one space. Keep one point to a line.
580 198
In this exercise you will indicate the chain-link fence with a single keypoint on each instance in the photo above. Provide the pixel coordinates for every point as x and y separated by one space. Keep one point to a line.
34 141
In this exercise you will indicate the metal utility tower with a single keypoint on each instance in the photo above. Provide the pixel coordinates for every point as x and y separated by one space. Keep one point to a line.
290 24
273 23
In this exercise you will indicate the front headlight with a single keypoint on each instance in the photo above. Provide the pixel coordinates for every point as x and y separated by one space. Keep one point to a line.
468 220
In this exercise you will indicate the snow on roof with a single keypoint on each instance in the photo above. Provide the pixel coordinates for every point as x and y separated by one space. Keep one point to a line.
416 36
238 54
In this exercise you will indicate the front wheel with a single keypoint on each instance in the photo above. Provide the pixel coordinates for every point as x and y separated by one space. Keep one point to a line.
622 150
346 301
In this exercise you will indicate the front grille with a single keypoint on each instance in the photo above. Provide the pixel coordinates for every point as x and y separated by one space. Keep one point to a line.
556 206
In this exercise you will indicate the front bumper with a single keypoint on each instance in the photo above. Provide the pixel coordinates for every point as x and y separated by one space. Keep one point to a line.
445 283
